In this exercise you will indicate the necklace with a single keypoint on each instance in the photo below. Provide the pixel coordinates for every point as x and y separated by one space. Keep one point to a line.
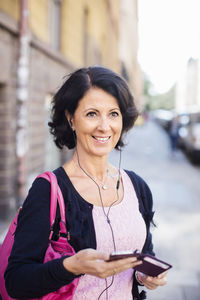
104 186
103 183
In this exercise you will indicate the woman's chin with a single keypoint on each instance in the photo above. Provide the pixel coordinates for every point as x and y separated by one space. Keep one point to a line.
101 152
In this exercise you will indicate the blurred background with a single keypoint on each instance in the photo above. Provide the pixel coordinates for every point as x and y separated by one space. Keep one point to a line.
155 46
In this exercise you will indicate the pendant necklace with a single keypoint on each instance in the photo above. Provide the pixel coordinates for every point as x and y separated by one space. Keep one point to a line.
104 186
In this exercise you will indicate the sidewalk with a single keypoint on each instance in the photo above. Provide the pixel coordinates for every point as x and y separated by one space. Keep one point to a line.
175 186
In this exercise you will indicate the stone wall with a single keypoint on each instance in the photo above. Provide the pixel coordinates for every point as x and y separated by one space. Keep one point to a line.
8 174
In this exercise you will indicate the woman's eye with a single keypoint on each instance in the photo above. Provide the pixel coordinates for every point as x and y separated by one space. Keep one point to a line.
91 114
114 114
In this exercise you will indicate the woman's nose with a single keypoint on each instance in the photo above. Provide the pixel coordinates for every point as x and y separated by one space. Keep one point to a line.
104 124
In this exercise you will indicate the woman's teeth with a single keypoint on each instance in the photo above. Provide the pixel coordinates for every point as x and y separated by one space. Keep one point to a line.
101 139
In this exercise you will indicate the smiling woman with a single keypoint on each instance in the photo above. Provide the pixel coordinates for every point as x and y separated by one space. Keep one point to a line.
75 88
97 122
108 209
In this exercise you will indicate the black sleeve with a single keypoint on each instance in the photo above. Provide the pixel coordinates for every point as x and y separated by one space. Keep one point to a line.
148 214
26 276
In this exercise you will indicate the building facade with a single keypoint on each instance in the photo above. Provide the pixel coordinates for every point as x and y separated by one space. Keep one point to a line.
40 43
128 47
188 88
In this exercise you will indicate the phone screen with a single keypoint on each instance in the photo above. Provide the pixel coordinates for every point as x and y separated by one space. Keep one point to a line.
151 265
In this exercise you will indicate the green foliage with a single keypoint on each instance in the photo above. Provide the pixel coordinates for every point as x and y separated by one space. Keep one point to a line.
154 100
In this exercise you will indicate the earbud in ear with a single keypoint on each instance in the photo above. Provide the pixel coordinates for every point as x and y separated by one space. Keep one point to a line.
71 124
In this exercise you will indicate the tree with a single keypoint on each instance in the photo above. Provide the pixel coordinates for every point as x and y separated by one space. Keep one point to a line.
155 100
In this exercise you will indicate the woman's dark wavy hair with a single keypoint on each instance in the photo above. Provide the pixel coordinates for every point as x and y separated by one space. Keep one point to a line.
74 88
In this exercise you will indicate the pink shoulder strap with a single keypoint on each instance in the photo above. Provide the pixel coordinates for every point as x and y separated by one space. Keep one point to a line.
56 196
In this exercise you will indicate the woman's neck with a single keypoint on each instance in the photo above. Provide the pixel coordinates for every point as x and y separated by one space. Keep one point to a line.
97 167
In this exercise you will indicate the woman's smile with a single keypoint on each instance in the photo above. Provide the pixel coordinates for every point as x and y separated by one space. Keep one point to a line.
101 140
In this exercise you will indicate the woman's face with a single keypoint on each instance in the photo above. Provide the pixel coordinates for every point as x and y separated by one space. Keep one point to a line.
97 122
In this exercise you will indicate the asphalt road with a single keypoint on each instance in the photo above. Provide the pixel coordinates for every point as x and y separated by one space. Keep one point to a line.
175 184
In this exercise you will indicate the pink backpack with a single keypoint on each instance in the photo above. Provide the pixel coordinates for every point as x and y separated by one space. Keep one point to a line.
56 249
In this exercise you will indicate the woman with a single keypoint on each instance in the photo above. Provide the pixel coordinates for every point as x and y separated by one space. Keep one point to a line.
107 208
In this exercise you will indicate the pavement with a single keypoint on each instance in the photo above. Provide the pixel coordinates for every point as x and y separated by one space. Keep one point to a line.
175 185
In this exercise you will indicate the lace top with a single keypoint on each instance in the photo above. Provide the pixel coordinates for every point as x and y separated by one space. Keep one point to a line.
129 234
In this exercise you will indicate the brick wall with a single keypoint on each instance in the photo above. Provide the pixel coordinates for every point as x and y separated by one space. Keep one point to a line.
7 122
44 81
47 69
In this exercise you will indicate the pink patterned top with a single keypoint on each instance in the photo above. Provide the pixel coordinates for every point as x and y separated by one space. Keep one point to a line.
129 233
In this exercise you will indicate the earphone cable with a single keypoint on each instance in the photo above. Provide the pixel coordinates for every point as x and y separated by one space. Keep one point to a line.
107 287
103 208
106 214
100 196
117 185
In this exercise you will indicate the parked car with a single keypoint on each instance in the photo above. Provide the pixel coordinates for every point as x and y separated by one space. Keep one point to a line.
189 135
184 120
163 117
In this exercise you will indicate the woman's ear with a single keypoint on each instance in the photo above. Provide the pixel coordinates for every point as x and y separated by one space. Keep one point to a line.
69 119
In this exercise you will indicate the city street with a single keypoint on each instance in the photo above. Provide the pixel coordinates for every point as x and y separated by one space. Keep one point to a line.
58 56
175 185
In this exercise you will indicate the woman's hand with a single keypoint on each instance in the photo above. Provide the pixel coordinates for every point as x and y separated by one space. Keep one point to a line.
151 282
93 262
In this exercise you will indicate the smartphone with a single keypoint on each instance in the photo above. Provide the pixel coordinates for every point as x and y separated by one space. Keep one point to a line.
151 265
124 254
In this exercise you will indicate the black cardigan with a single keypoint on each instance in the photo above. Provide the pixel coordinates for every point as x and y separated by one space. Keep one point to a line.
26 276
